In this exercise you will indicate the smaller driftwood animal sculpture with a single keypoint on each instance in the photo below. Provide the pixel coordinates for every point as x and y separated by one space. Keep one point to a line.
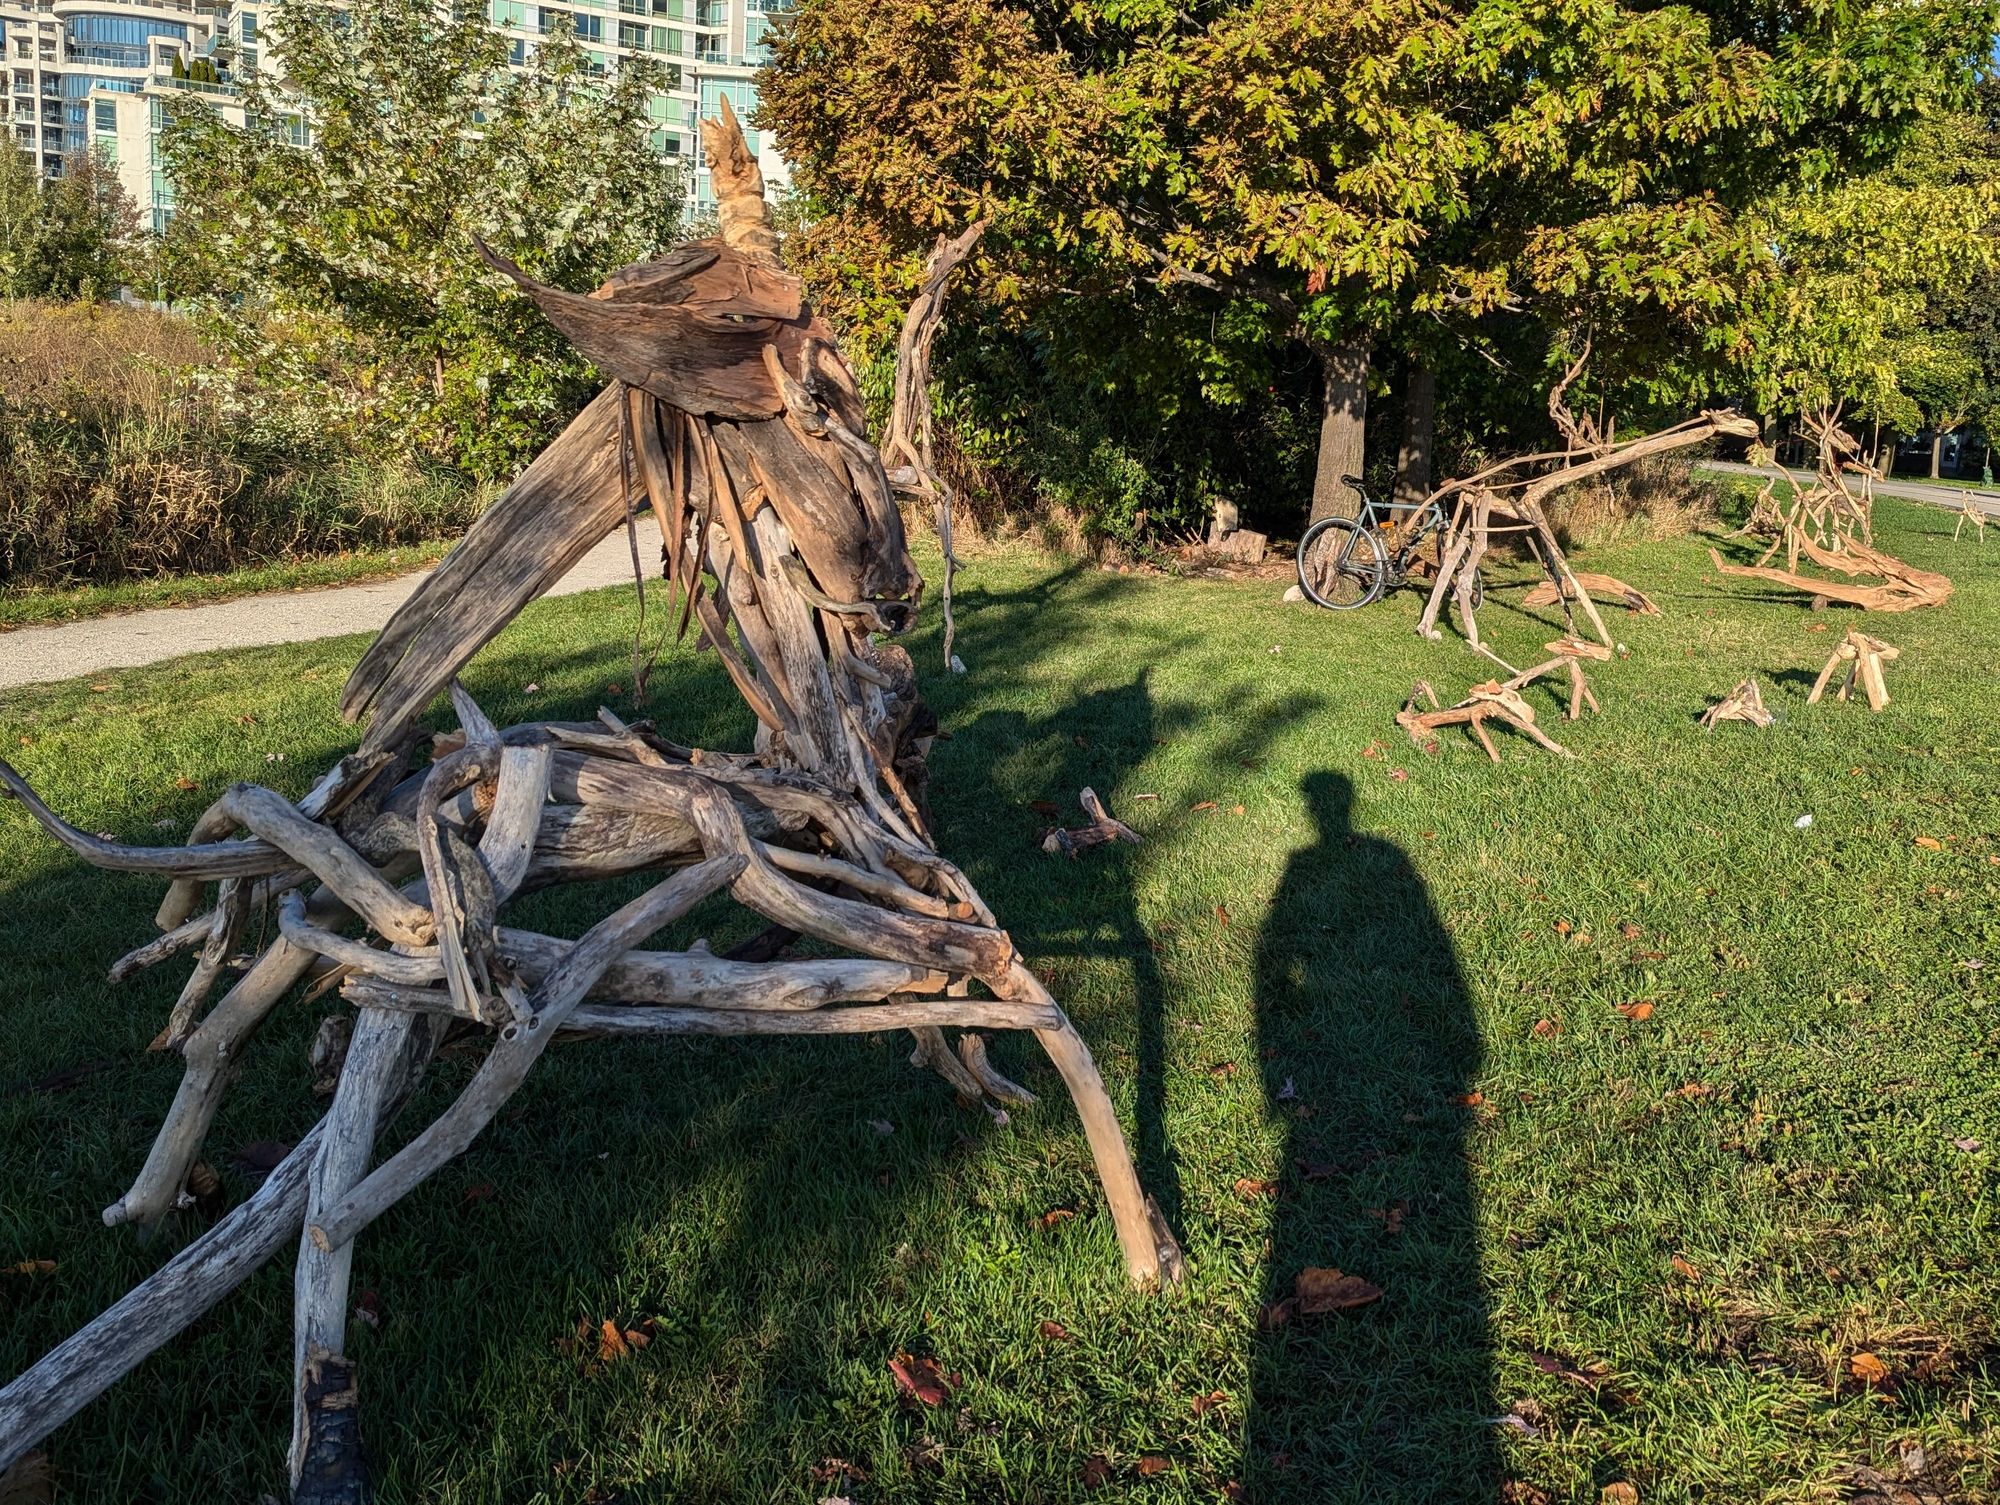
1970 511
736 419
1830 525
1744 703
1491 701
1864 658
1507 499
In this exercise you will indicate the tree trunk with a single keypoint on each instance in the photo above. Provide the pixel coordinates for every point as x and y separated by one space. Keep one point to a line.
1413 460
1343 428
1937 453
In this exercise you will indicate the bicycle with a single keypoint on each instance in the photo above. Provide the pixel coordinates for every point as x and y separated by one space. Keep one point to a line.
1346 562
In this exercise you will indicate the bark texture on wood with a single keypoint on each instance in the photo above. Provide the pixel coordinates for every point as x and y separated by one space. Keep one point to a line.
1343 428
1413 459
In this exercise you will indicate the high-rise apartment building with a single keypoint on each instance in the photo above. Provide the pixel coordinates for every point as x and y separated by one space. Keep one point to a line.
94 75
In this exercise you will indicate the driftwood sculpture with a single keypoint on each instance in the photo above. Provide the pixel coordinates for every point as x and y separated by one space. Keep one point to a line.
1506 498
1104 827
1969 511
1569 655
1864 657
1833 527
1744 703
907 441
1491 701
736 419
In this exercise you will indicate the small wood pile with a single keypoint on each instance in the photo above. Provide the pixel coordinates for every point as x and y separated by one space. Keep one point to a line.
735 417
1569 654
1830 525
1103 827
1744 703
1491 701
1864 657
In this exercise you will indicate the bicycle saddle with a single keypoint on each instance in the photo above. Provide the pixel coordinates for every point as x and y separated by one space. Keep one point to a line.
1355 481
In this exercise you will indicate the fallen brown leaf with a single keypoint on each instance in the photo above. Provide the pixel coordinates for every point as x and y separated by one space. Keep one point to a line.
834 1470
1203 1404
1250 1190
923 1379
1547 1028
1639 1009
1470 1099
1274 1316
1930 843
1204 805
1096 1472
63 1080
1056 1215
1222 1069
1649 956
1563 927
184 782
1318 1291
611 1344
1868 1369
1054 1330
1222 914
1515 1492
1618 1494
1685 1270
1153 1464
1390 1217
1400 775
31 1267
1692 1089
1235 809
1630 931
31 1481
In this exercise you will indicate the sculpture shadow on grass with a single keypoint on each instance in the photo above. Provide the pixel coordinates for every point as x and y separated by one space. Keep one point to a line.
1370 1050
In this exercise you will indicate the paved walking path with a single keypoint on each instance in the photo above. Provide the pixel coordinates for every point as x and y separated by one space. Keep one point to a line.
34 655
1910 491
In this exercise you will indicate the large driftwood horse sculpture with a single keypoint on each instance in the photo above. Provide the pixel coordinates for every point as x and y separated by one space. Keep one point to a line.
735 418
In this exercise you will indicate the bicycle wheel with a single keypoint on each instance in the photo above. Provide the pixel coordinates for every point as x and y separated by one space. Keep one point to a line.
1341 564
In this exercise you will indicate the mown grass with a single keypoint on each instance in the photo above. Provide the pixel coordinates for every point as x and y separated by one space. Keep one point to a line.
28 606
1806 1121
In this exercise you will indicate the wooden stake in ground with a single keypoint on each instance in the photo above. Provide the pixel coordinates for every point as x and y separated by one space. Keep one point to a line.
1864 657
1744 703
735 418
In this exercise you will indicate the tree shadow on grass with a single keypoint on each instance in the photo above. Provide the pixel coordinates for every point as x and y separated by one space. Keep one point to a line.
1370 1051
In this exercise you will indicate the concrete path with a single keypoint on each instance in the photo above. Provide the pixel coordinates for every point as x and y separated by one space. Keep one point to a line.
1911 491
34 655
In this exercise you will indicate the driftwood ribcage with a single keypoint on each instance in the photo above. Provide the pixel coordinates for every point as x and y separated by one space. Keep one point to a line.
734 418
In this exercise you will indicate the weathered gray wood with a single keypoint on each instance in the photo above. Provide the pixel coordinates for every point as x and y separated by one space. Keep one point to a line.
599 1019
163 1305
332 861
232 909
519 1047
213 860
381 1042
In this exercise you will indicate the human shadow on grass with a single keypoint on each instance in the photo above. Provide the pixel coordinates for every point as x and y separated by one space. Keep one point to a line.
1370 1053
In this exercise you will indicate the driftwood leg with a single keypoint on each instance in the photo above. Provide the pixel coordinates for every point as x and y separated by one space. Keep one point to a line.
325 1461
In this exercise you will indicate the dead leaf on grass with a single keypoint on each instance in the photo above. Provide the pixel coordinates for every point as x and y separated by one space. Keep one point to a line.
1470 1099
1930 843
1204 805
1547 1028
1153 1464
1056 1215
1053 1330
1203 1404
31 1267
1321 1290
1222 1069
1096 1472
1222 914
184 782
1390 1217
1685 1270
923 1379
1638 1010
1868 1369
1630 931
1251 1190
1618 1494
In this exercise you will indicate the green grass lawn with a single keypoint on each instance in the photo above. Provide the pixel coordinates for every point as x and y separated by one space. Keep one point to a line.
34 606
1389 985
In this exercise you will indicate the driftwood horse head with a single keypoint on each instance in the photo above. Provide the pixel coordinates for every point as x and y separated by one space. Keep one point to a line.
733 413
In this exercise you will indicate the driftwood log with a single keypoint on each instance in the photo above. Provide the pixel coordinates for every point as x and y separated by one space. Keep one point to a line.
736 419
1491 701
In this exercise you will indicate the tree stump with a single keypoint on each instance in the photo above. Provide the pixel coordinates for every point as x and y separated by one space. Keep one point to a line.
735 418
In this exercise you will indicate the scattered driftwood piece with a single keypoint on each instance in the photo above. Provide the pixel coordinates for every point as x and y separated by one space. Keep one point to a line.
1744 703
1568 652
736 419
1904 587
1102 828
1864 657
1606 587
1970 511
1491 701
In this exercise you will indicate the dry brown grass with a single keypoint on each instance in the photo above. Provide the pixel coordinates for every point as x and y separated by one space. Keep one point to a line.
118 463
1654 499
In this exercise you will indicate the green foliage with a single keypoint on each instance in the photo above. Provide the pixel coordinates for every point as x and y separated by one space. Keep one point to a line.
336 262
74 236
1412 175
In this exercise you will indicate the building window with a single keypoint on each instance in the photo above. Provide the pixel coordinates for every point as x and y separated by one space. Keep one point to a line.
589 28
104 115
249 26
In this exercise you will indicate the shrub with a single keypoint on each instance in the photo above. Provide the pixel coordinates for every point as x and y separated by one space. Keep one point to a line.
1649 500
120 458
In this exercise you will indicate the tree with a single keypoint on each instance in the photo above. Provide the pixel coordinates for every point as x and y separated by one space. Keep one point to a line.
1361 172
328 240
73 236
